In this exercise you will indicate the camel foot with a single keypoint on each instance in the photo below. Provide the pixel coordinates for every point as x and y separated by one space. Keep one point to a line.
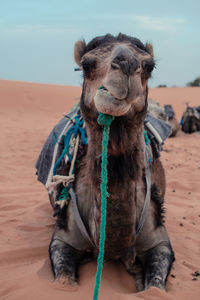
65 282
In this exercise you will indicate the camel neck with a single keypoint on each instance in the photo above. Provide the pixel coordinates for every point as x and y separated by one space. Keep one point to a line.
125 134
124 150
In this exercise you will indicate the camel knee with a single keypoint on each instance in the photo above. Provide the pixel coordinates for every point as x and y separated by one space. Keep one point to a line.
157 265
64 259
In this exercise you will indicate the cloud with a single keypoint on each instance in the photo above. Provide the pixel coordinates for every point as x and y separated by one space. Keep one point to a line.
150 23
38 28
160 24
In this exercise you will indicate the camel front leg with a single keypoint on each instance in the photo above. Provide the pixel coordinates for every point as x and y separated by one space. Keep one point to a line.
157 265
64 261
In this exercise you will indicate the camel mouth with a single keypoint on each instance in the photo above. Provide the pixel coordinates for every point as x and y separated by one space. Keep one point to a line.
106 103
105 91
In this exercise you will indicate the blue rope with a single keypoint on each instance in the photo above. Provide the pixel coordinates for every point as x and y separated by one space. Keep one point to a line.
74 130
181 122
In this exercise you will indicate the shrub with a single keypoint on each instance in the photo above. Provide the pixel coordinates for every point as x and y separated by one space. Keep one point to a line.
195 82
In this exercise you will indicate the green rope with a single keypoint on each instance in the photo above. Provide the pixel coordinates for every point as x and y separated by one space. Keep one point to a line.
105 121
64 195
146 137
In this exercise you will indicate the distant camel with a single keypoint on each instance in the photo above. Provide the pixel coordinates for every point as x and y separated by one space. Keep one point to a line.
165 113
191 119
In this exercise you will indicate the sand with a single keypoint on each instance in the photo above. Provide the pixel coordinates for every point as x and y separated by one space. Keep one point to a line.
28 113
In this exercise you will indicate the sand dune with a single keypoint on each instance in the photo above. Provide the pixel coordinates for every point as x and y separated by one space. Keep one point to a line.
28 113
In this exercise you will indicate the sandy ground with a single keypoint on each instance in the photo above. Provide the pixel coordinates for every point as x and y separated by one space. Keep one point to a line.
28 113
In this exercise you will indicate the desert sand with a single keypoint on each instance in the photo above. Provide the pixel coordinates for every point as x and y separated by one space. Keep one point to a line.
28 112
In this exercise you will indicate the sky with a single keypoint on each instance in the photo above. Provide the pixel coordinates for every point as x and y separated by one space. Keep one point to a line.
37 36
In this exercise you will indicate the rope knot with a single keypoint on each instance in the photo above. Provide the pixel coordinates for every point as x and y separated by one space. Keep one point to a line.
104 119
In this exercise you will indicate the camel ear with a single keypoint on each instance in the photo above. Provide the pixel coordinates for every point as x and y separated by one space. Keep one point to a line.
149 49
79 50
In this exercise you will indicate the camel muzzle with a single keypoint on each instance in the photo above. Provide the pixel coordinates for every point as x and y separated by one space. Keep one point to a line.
124 60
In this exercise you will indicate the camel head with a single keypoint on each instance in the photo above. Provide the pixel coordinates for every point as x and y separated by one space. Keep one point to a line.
116 71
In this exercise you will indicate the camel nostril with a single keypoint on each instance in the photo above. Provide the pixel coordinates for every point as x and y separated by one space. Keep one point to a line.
125 67
115 65
134 64
125 61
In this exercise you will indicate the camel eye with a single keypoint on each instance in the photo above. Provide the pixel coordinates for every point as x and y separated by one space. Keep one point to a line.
88 65
148 66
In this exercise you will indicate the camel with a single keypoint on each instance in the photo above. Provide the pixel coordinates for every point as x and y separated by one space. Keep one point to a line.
116 70
190 121
156 110
165 113
172 119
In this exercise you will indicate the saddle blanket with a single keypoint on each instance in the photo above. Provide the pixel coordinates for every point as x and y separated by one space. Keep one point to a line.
53 146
